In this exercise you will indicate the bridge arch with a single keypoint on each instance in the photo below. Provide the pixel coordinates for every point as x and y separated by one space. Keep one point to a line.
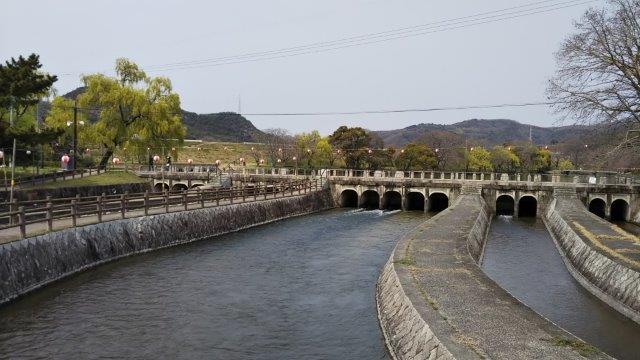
527 206
598 207
392 200
349 198
369 199
619 210
160 186
415 201
438 201
505 205
179 187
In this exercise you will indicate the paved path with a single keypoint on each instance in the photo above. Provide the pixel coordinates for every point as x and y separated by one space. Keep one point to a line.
13 234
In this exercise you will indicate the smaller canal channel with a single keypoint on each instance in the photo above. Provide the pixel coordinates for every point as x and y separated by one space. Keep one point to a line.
521 256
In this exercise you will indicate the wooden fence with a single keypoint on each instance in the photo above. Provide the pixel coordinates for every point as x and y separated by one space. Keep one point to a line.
24 213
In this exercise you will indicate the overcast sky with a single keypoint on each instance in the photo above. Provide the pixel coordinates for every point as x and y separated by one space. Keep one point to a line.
501 62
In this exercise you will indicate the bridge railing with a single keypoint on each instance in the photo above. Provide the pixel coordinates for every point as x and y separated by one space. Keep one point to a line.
20 214
607 179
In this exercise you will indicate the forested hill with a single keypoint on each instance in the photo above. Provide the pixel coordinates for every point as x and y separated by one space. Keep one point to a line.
224 126
488 132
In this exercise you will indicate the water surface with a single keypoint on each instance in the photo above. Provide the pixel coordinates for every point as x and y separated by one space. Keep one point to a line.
299 288
521 257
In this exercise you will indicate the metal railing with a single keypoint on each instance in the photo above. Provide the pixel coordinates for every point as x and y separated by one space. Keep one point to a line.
24 213
53 176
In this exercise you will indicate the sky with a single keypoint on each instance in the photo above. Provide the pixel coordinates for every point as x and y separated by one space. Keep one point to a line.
504 61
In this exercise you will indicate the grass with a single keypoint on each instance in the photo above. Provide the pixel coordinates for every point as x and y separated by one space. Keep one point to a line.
108 178
581 347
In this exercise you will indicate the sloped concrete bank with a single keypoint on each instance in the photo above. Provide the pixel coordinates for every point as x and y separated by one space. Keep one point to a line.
606 273
434 301
29 264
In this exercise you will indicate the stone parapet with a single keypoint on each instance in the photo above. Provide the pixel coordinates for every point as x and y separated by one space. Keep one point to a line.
31 263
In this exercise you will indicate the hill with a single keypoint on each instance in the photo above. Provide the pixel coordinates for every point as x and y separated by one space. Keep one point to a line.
224 126
488 132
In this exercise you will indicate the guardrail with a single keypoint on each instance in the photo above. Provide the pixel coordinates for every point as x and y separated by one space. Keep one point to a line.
60 175
24 213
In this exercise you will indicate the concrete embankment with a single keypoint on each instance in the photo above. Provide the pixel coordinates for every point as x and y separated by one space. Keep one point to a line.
599 255
28 264
435 302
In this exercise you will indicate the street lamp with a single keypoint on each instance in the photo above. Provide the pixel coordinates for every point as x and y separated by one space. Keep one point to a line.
74 148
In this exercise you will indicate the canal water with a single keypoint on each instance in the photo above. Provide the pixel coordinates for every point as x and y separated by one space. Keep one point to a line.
521 256
299 288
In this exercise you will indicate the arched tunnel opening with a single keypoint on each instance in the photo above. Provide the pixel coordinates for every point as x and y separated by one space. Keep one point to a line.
349 199
598 207
370 200
159 187
392 200
505 205
415 201
619 210
527 206
179 187
438 202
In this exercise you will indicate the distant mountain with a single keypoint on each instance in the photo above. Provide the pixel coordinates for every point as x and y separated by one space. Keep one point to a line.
487 132
224 126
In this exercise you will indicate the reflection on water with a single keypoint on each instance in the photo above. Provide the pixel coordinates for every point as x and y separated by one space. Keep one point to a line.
300 288
520 256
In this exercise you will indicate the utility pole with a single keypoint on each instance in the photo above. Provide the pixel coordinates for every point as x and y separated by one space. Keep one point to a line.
75 133
239 104
530 137
13 153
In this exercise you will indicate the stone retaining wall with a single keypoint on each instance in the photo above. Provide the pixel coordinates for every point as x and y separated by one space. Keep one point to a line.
29 264
611 282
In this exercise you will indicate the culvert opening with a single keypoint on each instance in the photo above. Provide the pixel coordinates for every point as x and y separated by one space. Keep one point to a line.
392 200
415 201
598 207
619 210
505 205
438 202
370 200
527 206
349 199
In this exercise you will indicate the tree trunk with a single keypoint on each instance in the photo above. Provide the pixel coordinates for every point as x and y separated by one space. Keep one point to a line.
105 159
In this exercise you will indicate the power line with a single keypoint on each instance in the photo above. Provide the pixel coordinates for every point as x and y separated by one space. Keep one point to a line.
418 30
392 111
508 13
333 42
358 112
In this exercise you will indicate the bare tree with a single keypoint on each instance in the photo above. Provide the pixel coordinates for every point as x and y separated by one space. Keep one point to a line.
278 145
598 76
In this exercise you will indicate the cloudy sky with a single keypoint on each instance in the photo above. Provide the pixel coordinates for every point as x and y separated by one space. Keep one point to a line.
443 58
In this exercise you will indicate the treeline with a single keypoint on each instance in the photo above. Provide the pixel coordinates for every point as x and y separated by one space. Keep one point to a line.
356 148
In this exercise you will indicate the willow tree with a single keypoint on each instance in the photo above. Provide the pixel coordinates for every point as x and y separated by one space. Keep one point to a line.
598 76
133 110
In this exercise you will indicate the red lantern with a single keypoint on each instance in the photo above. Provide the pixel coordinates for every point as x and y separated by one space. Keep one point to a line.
65 159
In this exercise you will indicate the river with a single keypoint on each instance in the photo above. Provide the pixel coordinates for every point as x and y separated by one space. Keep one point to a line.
298 288
521 257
